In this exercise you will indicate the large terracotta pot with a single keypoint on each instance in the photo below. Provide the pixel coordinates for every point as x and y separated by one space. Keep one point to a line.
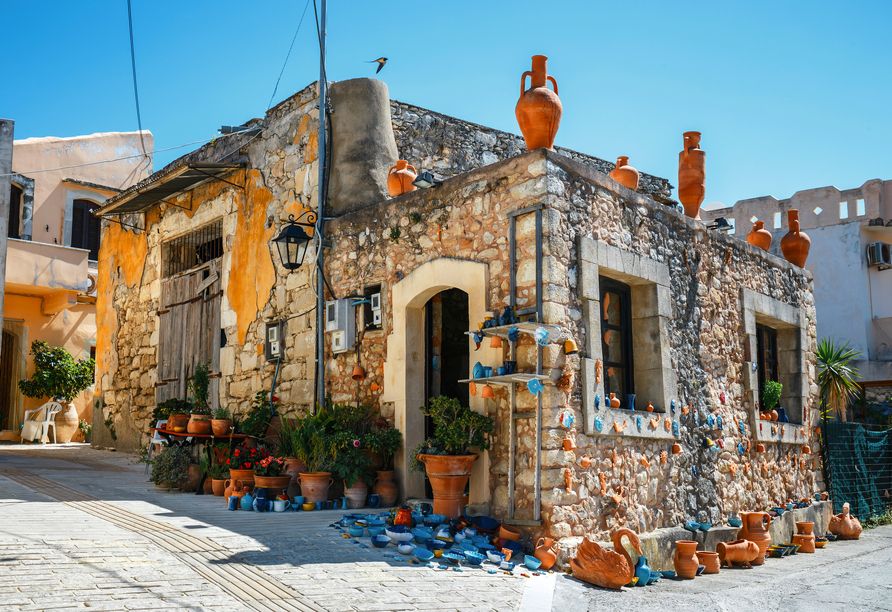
795 244
805 538
759 236
739 551
624 174
710 560
686 559
276 484
199 424
177 420
66 423
755 530
356 495
692 175
545 553
315 486
245 476
293 467
539 109
386 488
221 427
448 475
193 477
399 178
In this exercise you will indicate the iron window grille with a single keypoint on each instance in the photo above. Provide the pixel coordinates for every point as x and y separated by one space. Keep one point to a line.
193 249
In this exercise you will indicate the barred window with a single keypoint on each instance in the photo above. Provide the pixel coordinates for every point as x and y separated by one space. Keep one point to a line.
193 249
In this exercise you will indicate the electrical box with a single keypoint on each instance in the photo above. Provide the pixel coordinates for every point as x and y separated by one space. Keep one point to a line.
376 309
340 321
879 255
273 341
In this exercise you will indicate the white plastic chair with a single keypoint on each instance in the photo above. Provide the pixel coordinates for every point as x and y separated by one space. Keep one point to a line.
157 442
39 428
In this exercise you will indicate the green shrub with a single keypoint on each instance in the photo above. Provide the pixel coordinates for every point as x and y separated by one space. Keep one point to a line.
57 374
385 442
771 393
199 386
457 428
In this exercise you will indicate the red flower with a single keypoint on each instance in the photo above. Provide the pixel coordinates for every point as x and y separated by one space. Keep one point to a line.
275 399
247 466
356 443
236 452
227 462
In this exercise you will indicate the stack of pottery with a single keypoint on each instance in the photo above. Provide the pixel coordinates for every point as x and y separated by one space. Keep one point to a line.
755 530
686 561
805 538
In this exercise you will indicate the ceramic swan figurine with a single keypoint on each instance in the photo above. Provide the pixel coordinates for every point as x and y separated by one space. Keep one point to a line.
846 526
606 568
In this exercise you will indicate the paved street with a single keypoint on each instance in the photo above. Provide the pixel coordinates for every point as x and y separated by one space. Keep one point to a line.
83 529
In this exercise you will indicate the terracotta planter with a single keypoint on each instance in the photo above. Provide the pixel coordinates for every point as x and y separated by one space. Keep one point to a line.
230 486
448 475
739 551
177 420
356 495
199 424
193 477
315 486
686 559
245 476
221 427
795 244
624 174
759 236
66 423
538 109
208 486
545 553
846 526
755 530
710 560
805 538
293 467
692 175
276 484
400 177
385 488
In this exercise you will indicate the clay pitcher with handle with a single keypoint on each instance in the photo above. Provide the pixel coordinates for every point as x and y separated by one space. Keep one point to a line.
686 562
692 175
539 109
795 244
400 178
755 530
545 553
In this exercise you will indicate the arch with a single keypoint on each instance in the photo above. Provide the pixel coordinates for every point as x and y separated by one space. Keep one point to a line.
404 367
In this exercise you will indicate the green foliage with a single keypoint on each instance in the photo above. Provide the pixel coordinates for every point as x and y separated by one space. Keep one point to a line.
57 374
256 421
286 442
457 428
270 466
395 233
212 469
199 386
349 463
836 377
427 447
771 393
171 466
86 428
385 442
881 519
312 445
358 420
168 407
414 217
110 426
222 414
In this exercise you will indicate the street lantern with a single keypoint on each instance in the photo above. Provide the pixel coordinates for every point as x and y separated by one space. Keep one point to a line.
292 242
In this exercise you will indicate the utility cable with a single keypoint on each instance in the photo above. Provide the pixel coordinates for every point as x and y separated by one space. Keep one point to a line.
135 90
306 6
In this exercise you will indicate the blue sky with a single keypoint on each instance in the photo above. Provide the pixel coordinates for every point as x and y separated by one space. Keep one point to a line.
788 95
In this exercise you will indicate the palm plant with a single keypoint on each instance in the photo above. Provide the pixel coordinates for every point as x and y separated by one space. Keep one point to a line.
836 378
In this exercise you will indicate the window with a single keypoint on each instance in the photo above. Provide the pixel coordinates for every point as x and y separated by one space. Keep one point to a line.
616 339
85 228
15 211
766 342
193 249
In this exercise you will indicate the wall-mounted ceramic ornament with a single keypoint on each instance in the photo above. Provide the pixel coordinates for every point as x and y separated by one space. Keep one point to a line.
638 423
473 388
534 386
718 422
567 419
599 424
541 336
619 428
675 428
742 427
720 442
715 448
722 397
694 470
513 334
687 409
630 397
672 406
597 402
654 423
732 467
710 420
740 448
696 416
663 456
668 423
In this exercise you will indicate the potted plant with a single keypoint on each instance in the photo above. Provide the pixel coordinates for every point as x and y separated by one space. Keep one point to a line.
447 457
57 375
771 393
172 468
242 463
216 473
836 378
288 451
175 410
200 421
313 448
269 473
256 422
351 465
385 443
86 430
221 424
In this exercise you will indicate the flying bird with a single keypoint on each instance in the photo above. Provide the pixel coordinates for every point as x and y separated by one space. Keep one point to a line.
380 61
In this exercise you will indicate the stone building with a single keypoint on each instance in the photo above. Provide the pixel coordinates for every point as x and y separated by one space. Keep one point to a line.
853 295
661 307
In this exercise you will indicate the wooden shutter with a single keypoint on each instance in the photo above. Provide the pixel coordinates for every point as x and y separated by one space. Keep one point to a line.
78 239
85 228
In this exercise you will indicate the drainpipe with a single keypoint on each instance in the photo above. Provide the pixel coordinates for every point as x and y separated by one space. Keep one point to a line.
320 222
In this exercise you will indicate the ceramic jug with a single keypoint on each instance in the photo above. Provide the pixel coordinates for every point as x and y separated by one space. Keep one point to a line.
642 571
545 553
400 178
692 175
538 109
795 244
755 530
759 236
627 176
247 502
686 559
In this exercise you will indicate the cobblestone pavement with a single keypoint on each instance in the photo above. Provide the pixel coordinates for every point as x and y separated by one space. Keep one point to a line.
81 528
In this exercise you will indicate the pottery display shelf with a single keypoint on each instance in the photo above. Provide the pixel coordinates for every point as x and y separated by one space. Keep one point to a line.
194 439
778 433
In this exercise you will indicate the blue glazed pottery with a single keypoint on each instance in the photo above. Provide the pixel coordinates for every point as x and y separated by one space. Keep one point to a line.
374 500
356 531
234 501
672 406
510 366
487 371
642 571
735 522
501 371
740 448
299 499
668 574
478 370
420 536
247 502
782 416
344 503
479 541
718 422
654 576
631 398
399 533
495 556
817 497
534 386
541 336
694 470
599 424
454 558
710 420
380 541
485 547
638 423
705 526
435 544
422 554
468 547
780 510
597 402
474 558
406 548
513 334
692 526
432 520
319 505
373 531
675 428
507 566
531 562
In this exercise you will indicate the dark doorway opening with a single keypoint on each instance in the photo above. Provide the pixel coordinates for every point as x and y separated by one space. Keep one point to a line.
7 384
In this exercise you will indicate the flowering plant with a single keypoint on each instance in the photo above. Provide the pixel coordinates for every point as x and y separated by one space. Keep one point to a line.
270 466
245 459
350 464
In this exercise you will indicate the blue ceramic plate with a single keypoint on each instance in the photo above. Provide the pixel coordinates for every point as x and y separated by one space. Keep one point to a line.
422 554
668 574
454 558
495 556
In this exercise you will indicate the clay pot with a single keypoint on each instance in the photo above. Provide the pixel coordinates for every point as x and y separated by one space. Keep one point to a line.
177 420
846 526
692 175
276 484
624 174
358 373
755 530
245 476
773 414
218 487
710 560
795 244
193 477
199 424
400 177
676 448
614 402
539 109
759 236
448 475
221 427
804 537
315 486
293 467
356 495
545 553
569 443
66 422
649 407
507 532
230 486
739 551
385 488
686 559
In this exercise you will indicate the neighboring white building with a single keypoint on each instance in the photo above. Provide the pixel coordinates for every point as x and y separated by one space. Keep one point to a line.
853 294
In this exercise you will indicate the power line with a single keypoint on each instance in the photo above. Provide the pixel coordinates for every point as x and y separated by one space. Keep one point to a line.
135 90
306 6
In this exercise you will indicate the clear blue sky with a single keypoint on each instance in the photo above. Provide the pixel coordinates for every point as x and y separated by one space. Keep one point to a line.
788 95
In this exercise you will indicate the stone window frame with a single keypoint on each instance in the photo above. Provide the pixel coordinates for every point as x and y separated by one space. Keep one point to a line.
654 378
791 325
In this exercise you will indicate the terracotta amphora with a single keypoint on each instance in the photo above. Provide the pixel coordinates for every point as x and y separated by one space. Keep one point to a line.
686 559
614 401
545 553
710 560
692 175
539 109
805 538
386 488
755 530
624 174
315 486
357 494
230 486
245 477
400 177
759 236
795 244
739 551
846 526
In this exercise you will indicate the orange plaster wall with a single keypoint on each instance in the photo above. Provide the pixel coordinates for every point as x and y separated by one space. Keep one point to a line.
252 274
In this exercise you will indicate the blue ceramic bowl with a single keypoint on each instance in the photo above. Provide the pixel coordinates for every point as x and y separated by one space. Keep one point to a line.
817 497
373 531
474 558
421 536
432 520
355 530
692 526
376 523
485 524
467 546
779 509
406 548
531 562
495 556
508 566
422 554
705 526
735 522
470 532
668 574
479 540
398 533
514 546
485 547
434 544
454 558
380 541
